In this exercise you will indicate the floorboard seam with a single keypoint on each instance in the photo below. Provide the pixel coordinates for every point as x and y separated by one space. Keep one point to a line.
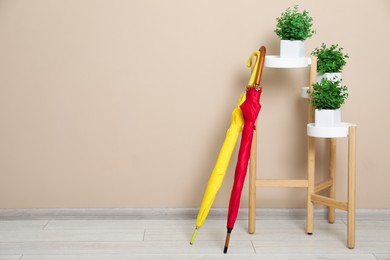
253 246
47 223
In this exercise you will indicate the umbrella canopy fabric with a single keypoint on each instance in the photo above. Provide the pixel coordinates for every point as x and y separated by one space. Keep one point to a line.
221 165
250 110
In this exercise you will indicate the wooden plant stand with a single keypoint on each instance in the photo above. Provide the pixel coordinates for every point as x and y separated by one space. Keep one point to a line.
312 188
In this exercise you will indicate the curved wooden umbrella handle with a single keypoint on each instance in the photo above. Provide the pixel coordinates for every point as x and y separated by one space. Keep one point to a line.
261 65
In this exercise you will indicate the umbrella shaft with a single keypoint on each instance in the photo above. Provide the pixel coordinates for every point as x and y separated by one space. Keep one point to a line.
226 243
229 231
194 235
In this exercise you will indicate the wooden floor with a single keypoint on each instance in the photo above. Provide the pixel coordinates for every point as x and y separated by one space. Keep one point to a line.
121 237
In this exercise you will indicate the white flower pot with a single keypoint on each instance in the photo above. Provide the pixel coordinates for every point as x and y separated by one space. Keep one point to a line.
292 49
327 117
330 76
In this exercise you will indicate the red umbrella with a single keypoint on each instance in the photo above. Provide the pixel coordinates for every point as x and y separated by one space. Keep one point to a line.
250 109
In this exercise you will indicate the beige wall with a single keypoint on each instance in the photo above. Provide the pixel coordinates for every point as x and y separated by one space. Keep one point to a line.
126 103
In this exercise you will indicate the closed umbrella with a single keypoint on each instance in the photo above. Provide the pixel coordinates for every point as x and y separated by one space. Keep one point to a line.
225 154
220 167
250 109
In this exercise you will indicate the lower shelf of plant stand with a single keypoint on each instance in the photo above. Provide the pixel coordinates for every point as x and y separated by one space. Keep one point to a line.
274 61
328 132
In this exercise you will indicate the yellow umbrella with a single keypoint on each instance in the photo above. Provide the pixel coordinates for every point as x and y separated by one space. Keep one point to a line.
225 154
255 69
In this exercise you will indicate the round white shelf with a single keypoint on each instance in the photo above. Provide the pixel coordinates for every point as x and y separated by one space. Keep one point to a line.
304 92
274 61
328 132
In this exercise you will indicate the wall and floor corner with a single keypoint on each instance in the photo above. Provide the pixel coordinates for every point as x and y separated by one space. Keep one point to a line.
126 103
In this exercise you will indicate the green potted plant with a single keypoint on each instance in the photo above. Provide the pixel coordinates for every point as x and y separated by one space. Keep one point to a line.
330 61
326 97
293 28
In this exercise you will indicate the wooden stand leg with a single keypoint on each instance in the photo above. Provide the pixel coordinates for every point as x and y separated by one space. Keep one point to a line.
351 186
311 152
310 188
332 176
252 186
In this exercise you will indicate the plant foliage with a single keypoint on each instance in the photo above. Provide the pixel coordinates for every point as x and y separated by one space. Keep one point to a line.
330 60
328 94
294 25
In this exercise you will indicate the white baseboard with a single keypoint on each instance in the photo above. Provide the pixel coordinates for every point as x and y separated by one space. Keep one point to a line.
183 213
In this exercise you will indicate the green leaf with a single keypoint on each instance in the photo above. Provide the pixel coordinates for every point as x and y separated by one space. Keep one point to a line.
328 94
330 59
294 25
